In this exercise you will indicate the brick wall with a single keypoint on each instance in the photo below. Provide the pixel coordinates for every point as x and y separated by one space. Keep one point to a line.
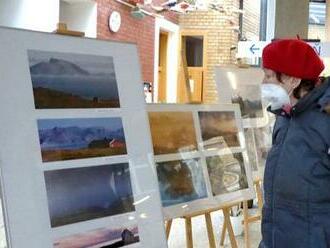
220 38
141 32
251 19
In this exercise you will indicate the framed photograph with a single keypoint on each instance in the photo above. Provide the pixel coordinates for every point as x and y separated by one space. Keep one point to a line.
68 80
82 194
227 173
213 174
242 86
106 237
172 132
67 139
219 129
74 167
181 181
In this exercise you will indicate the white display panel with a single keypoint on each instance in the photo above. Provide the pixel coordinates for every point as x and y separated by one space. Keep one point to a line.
201 158
52 149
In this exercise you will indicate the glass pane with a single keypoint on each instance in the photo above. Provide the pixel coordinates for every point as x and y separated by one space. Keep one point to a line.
194 51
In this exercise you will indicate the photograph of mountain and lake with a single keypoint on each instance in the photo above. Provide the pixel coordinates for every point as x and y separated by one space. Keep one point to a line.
67 80
66 139
82 194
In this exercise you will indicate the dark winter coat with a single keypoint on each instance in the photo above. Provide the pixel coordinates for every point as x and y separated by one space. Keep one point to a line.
296 212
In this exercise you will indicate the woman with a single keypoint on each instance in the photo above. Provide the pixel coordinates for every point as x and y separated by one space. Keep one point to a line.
296 212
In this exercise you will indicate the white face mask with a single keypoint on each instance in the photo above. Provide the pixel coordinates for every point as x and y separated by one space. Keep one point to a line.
274 96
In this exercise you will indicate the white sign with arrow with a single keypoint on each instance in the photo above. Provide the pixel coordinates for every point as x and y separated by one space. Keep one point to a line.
253 49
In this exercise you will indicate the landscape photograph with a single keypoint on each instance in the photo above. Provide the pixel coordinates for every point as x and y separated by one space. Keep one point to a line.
172 132
219 129
100 238
82 194
67 139
248 96
181 181
67 80
227 173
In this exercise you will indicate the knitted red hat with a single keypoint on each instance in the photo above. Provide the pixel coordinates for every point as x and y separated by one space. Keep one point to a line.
292 57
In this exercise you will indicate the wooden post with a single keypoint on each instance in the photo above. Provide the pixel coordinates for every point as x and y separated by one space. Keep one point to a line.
168 228
189 238
209 228
223 234
259 195
246 225
229 227
185 69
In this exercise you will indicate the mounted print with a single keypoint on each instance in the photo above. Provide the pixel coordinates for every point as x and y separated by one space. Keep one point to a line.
248 96
241 86
227 173
82 194
68 80
181 181
172 132
106 237
219 129
215 173
75 144
67 139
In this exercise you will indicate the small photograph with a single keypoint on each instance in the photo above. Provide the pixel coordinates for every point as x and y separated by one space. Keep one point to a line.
251 148
227 173
181 181
82 194
172 132
67 139
248 96
219 129
100 238
67 80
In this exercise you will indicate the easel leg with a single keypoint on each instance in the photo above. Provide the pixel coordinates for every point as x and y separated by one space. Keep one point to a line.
229 228
189 239
246 225
223 234
209 227
168 228
259 196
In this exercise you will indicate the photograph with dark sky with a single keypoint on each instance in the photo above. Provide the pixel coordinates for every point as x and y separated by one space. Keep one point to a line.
82 194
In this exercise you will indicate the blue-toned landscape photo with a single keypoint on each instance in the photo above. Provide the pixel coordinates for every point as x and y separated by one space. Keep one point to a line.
67 80
82 194
181 181
65 139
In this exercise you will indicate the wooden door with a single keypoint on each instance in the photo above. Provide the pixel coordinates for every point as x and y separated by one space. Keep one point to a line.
193 45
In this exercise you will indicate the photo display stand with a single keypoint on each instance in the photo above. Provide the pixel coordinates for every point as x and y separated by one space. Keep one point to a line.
201 162
74 168
242 86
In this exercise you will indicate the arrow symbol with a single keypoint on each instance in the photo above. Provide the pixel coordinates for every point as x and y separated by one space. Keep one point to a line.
253 48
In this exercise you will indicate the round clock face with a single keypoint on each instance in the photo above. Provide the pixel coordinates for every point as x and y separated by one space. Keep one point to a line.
114 21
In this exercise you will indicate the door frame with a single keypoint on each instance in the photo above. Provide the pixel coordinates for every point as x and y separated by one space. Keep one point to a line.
162 25
193 32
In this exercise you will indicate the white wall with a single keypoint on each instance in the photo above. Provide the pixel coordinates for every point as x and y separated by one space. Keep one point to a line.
40 15
172 59
80 16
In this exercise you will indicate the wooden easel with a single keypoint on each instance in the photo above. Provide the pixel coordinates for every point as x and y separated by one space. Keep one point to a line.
63 29
248 219
227 226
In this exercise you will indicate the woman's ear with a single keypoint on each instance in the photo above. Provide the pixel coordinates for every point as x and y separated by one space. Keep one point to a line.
295 82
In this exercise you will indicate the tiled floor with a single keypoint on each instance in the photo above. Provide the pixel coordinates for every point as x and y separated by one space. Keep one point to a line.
200 239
